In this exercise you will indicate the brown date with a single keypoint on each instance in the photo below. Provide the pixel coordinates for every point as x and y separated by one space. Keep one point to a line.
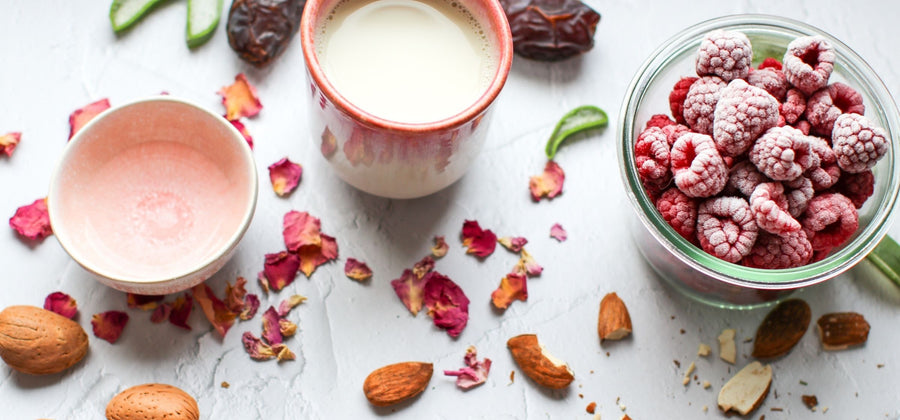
551 30
260 30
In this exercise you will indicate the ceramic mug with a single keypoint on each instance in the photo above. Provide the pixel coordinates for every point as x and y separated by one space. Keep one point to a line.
396 159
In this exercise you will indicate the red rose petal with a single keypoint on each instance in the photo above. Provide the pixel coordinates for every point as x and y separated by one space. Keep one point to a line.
161 313
9 141
290 303
312 257
440 247
251 305
181 310
220 313
279 270
475 373
144 302
513 244
301 229
423 267
62 304
256 348
82 115
479 242
241 128
410 289
285 176
549 184
557 232
447 304
240 99
109 325
271 330
357 270
512 287
32 221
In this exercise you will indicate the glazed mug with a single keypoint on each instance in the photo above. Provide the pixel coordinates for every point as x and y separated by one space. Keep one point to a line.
397 159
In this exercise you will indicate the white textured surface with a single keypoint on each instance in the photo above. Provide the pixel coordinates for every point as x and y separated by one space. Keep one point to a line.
60 55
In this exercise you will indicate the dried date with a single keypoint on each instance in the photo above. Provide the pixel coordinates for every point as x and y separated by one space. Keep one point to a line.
551 30
260 30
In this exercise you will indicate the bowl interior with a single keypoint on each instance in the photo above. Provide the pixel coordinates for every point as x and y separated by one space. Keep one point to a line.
769 36
152 191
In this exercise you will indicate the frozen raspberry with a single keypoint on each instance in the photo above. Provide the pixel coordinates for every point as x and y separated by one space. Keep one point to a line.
659 120
743 178
820 255
674 131
783 153
679 211
726 54
698 168
857 187
700 103
677 96
726 228
803 126
742 114
798 193
793 106
779 251
824 106
771 80
651 155
808 63
857 143
827 172
829 220
770 63
770 209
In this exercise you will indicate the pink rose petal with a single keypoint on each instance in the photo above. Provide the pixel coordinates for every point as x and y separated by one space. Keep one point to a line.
447 304
256 348
8 142
357 270
109 325
557 232
423 267
241 128
410 289
251 305
62 304
478 241
234 295
279 270
240 99
271 329
513 244
527 265
143 302
475 373
32 221
301 229
512 287
161 313
440 247
285 176
83 115
549 184
311 256
214 309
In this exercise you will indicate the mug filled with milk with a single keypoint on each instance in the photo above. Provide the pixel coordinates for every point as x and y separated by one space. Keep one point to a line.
401 90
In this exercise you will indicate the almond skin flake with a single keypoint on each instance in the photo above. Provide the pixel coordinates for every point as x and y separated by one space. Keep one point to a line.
83 115
62 304
240 99
32 221
285 176
109 325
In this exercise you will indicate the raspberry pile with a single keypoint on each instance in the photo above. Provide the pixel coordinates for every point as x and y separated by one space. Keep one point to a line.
764 167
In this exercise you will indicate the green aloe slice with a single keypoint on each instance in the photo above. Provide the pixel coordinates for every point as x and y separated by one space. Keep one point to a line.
886 256
583 118
203 18
125 13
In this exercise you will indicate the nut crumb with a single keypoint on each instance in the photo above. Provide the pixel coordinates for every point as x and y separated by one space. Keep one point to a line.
727 350
607 354
824 410
703 350
748 339
880 365
706 384
705 408
810 401
225 384
682 331
512 377
596 416
592 371
685 381
581 396
677 363
779 409
591 407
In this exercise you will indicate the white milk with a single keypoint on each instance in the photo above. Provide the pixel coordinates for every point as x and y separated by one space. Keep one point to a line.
406 60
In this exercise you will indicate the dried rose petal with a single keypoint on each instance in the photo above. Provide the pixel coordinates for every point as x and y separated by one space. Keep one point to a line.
251 305
241 128
477 241
357 270
62 304
290 303
409 288
447 304
548 184
234 295
286 327
513 244
279 270
32 221
143 302
256 348
283 353
240 99
329 143
512 287
162 313
109 325
271 330
301 229
557 232
440 247
214 308
285 176
475 372
181 310
423 267
82 115
9 141
527 265
313 256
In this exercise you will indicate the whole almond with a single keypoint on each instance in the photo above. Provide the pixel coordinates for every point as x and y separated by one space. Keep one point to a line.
782 329
392 384
538 364
840 330
39 342
614 322
152 401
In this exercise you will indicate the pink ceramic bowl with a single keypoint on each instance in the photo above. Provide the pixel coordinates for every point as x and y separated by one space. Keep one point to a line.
393 159
152 197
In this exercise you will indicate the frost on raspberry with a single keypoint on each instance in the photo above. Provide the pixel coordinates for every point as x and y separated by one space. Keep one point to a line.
651 157
857 187
798 193
679 211
726 54
698 168
808 63
803 126
726 228
770 63
779 251
829 220
825 105
658 120
783 153
674 131
8 142
743 178
32 221
771 80
858 144
677 95
700 103
742 114
793 106
827 172
548 184
770 209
